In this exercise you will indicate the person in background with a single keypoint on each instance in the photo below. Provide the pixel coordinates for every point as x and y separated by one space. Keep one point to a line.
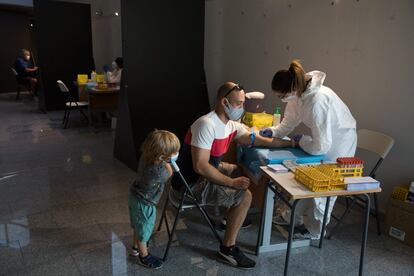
154 170
115 75
333 132
26 71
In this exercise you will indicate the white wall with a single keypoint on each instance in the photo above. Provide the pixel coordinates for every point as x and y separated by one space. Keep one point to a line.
365 47
106 32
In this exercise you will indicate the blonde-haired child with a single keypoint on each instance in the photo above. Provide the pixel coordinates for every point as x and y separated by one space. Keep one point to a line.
154 170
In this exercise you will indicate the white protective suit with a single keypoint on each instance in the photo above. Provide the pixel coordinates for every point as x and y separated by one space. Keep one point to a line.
114 76
333 134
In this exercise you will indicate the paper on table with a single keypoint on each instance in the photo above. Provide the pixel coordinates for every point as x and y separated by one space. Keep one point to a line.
360 180
278 167
361 183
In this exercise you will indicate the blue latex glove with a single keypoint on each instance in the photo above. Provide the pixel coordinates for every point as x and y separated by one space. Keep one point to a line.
106 68
266 132
297 138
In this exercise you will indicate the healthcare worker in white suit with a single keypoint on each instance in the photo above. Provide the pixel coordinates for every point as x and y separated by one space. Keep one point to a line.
332 126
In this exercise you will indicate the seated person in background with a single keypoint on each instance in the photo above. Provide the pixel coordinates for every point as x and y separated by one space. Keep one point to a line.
115 75
214 182
26 71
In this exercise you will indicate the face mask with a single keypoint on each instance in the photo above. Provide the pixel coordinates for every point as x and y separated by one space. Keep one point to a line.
233 113
114 65
27 57
174 158
289 98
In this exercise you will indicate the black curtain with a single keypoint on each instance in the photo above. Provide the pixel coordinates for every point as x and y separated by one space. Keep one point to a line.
15 31
64 44
163 78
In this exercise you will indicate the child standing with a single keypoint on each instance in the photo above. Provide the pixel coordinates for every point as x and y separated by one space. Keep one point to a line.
154 170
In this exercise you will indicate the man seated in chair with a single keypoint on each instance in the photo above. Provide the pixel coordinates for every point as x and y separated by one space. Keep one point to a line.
26 72
214 182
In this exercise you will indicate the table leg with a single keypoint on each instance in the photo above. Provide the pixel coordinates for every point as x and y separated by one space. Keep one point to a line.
325 218
267 225
89 113
291 228
262 220
365 233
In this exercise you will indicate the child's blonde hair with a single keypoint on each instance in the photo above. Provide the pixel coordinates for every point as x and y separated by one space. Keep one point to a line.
159 143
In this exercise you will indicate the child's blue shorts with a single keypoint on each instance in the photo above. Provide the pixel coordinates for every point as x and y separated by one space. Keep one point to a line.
142 217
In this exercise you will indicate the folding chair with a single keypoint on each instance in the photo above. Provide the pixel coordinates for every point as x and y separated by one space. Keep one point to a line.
21 84
70 104
186 201
377 143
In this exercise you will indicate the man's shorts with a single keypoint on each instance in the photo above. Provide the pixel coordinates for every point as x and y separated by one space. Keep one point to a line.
217 195
142 217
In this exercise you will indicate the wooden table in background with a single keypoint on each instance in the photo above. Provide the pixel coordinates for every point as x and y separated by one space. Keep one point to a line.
102 100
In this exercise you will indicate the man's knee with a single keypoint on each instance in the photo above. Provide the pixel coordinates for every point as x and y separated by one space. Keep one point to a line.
247 198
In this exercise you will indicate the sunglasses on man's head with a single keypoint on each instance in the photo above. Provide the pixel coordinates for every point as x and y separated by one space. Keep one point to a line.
235 87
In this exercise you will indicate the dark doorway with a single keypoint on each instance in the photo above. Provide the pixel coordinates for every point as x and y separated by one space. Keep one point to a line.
16 28
163 77
64 42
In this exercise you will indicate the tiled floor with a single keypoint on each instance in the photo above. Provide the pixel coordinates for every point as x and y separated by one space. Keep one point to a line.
63 211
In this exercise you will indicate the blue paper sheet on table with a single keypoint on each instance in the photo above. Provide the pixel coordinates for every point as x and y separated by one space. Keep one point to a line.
253 157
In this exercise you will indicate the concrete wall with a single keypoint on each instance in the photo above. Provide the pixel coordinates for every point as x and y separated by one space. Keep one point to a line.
365 47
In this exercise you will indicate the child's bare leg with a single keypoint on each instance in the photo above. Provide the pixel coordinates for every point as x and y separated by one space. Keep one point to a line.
135 242
142 247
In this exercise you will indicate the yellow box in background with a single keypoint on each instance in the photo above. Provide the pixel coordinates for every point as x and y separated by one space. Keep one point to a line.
100 78
259 120
82 79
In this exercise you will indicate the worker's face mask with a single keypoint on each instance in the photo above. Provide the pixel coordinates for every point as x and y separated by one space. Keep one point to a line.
27 57
114 65
233 113
289 97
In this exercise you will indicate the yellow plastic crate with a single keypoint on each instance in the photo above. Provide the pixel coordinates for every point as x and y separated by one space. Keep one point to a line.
312 178
259 120
400 193
320 178
349 172
100 78
82 79
337 181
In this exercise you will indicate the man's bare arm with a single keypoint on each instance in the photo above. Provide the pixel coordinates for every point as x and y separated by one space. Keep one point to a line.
261 141
202 166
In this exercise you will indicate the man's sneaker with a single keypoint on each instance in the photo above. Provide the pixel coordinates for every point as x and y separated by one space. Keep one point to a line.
134 252
235 257
246 224
279 220
150 261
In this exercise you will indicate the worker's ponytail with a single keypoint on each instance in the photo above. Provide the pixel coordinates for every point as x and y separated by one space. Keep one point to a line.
299 78
293 79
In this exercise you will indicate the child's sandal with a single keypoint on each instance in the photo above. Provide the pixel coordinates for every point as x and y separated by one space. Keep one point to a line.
150 261
134 252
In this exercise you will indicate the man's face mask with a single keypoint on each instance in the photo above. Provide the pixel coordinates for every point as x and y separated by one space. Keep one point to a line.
114 65
27 57
233 113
